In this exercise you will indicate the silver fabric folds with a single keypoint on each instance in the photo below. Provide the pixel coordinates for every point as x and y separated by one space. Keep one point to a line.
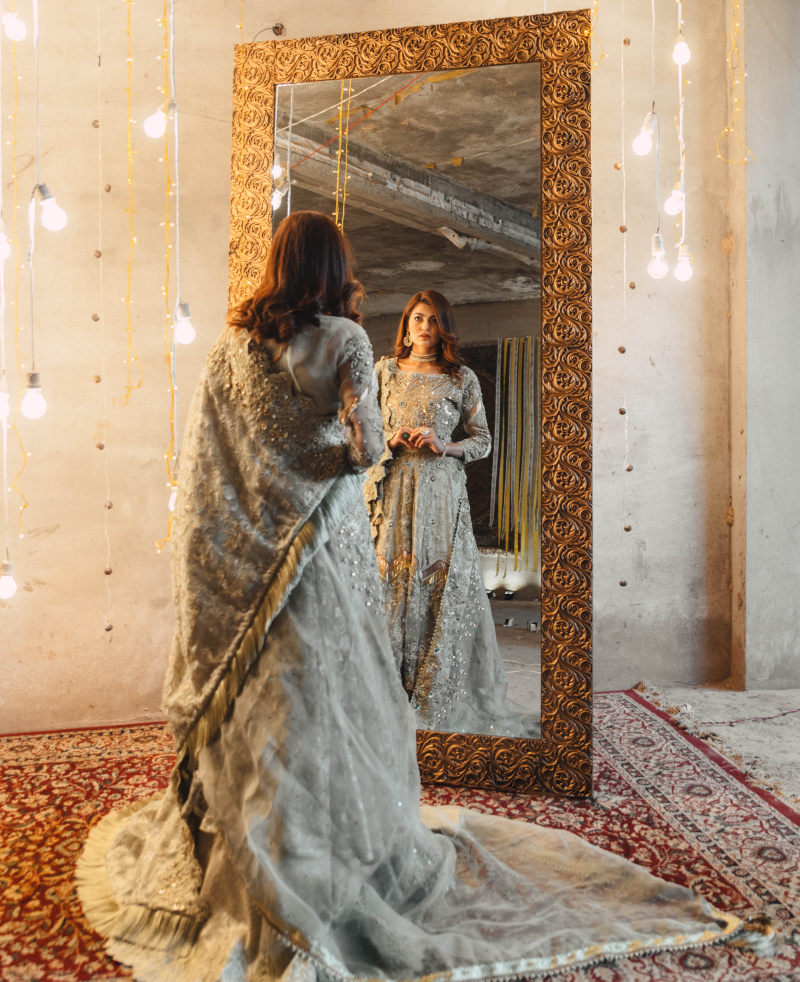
290 842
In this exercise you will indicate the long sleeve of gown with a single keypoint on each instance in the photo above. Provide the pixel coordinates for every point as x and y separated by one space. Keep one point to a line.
358 392
478 442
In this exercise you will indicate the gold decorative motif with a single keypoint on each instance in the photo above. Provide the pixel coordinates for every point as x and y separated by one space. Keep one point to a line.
560 762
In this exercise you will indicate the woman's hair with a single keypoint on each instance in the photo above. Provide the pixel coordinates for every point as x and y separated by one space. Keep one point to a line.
309 272
445 318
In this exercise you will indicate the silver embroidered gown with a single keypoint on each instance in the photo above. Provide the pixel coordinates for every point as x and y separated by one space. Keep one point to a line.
289 843
440 622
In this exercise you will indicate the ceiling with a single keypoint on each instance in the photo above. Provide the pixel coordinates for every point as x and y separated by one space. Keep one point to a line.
442 172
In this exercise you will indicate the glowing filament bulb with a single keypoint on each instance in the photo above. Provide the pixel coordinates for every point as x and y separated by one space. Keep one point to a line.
681 53
53 215
156 124
657 267
276 170
173 497
683 268
643 143
8 585
674 203
33 405
277 198
183 327
15 28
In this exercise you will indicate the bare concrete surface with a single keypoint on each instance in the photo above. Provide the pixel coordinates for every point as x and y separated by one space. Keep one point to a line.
758 730
520 649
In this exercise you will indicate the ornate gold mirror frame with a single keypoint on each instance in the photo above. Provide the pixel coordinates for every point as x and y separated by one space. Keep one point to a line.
559 762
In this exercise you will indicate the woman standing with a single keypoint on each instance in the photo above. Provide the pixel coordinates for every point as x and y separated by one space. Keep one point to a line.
289 844
440 622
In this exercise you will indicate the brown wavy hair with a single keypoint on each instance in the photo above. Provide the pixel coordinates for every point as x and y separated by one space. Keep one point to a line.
309 272
449 344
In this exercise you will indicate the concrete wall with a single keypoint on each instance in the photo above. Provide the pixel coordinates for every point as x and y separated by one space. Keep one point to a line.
773 345
60 666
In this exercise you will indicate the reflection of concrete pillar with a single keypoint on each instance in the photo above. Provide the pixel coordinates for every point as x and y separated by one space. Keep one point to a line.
772 346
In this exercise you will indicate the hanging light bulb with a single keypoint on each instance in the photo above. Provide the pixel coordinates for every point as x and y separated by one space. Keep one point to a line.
683 268
657 267
33 405
276 170
5 399
53 215
643 143
173 496
277 198
8 585
183 327
156 124
681 52
14 27
674 203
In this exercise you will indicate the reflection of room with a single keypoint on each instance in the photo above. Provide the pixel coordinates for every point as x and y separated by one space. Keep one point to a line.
435 178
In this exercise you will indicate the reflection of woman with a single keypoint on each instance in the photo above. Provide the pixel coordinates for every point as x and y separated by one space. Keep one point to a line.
288 843
440 623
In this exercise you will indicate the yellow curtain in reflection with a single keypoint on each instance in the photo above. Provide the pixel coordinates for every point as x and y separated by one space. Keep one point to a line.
519 460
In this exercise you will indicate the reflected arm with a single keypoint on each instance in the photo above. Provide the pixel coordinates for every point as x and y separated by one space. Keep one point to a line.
358 393
478 443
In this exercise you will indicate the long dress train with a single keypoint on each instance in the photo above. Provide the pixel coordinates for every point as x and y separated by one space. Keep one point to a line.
290 842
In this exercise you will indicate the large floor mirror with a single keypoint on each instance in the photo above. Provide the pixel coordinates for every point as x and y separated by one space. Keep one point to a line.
456 158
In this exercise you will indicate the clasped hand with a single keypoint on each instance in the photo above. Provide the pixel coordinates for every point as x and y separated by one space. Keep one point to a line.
417 438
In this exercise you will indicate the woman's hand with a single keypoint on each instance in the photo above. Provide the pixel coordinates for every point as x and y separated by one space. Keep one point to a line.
424 438
416 438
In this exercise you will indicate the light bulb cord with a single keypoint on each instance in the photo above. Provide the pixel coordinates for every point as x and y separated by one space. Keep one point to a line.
653 52
173 96
289 151
36 87
658 174
37 159
2 229
681 143
31 246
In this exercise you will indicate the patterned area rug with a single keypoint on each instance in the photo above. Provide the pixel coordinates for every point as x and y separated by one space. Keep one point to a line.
664 800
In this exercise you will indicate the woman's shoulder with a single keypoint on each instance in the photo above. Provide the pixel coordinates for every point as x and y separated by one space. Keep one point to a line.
341 327
466 378
386 364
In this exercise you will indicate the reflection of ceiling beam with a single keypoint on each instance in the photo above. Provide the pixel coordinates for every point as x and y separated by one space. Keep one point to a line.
414 196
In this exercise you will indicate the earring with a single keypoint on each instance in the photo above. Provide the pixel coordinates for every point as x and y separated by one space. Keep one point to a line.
407 340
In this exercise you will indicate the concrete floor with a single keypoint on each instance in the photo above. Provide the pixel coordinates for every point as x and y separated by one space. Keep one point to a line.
520 648
758 730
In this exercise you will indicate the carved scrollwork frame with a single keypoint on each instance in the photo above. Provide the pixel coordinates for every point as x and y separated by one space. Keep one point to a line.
559 762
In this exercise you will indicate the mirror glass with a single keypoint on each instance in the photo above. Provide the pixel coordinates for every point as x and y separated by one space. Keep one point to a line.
435 179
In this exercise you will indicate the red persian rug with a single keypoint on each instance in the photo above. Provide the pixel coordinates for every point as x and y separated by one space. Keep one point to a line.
662 799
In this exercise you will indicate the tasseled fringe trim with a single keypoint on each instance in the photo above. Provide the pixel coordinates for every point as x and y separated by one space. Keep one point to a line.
373 491
757 935
154 928
331 512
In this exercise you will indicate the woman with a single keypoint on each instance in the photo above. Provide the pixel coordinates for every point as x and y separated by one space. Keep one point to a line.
289 841
440 622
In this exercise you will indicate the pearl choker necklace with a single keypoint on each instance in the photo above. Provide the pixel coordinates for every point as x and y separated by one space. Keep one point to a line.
415 357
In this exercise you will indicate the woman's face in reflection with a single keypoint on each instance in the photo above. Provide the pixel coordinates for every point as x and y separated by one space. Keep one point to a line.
423 327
